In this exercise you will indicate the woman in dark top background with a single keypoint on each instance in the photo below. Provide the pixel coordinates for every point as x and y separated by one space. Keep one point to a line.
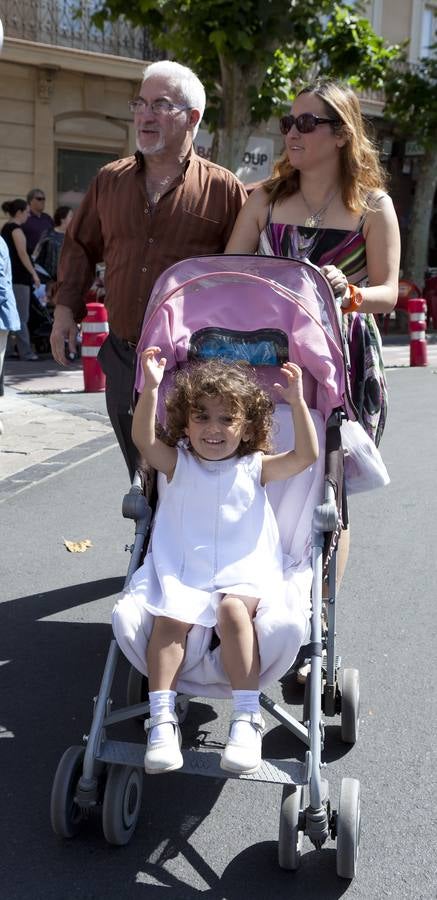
24 276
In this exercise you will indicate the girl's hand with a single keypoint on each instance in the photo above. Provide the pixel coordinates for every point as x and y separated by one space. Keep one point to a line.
293 391
152 368
337 280
36 281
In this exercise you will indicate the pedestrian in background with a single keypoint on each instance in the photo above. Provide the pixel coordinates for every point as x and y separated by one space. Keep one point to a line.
24 275
38 222
48 249
9 318
139 216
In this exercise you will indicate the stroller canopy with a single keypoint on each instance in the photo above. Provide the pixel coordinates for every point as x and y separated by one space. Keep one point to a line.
260 309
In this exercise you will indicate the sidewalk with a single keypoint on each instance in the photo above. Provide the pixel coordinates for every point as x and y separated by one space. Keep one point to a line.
46 412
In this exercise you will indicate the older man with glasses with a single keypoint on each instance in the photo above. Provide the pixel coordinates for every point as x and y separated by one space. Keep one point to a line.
39 222
140 215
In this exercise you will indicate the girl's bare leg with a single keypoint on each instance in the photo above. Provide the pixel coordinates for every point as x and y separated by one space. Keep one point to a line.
239 645
165 655
240 657
165 652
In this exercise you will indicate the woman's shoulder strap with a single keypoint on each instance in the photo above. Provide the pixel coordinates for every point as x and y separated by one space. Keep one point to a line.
269 213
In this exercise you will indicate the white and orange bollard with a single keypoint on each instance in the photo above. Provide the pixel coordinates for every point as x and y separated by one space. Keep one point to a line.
95 330
417 329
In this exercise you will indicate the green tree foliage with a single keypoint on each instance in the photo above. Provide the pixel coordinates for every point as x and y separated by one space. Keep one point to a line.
250 53
411 104
411 98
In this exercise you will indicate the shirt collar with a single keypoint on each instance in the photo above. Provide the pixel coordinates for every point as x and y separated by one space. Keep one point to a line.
141 163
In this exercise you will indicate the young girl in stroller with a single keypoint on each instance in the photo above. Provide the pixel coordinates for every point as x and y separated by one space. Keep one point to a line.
215 551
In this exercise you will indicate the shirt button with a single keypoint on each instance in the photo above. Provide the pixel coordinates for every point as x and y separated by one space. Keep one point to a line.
140 299
144 269
150 240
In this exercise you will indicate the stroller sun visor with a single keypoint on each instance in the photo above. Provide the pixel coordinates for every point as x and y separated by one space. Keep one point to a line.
244 315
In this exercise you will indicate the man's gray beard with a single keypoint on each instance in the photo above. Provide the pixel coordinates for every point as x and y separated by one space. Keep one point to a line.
149 151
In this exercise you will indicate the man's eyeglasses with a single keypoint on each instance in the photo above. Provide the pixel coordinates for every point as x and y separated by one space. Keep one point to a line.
38 197
157 107
305 123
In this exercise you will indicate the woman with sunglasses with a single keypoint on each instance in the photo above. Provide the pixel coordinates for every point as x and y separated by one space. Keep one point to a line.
326 202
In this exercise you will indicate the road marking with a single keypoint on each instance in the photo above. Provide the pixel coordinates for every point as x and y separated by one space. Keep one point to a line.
60 471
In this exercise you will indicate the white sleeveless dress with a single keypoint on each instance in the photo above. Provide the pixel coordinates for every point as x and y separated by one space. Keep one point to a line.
214 533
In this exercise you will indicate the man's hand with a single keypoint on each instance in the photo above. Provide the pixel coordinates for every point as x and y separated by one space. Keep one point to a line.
64 329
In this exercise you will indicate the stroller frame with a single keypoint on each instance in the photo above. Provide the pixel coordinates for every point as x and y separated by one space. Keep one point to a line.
110 773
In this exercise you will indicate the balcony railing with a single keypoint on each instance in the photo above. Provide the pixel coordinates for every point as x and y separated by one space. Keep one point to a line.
67 23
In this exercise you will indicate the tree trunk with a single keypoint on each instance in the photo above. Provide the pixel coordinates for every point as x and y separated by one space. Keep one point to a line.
416 255
235 128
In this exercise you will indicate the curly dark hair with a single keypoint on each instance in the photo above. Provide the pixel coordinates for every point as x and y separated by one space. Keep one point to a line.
237 386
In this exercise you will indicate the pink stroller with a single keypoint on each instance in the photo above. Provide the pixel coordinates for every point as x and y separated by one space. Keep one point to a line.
264 310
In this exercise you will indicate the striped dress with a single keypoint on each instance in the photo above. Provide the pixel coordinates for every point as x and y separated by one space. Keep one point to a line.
347 251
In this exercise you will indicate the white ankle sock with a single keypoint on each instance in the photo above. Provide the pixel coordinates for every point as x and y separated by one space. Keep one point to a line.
245 701
161 702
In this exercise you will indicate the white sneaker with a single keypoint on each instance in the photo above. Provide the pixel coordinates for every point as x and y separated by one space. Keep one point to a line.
163 755
244 757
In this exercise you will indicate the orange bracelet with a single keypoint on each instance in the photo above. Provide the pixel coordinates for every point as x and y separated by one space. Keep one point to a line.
355 300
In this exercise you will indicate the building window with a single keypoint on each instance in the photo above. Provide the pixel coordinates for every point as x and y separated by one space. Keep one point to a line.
76 169
429 29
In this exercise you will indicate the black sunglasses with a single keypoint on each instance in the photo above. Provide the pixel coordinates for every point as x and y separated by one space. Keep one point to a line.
305 123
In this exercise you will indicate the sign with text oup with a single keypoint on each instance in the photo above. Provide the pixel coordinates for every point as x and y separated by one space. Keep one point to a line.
257 161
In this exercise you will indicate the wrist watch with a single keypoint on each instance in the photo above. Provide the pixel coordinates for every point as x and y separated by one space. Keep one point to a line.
355 298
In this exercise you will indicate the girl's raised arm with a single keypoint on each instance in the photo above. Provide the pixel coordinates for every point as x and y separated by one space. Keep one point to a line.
306 445
157 454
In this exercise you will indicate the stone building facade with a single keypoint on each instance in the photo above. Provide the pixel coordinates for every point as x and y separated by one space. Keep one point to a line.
64 89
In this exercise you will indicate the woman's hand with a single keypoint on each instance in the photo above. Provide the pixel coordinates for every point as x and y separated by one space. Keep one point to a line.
153 369
36 281
293 391
338 281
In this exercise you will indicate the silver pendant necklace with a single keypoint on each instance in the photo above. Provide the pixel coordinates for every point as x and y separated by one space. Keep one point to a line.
315 219
156 187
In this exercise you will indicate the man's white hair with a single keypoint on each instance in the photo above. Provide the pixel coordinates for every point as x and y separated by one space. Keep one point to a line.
183 80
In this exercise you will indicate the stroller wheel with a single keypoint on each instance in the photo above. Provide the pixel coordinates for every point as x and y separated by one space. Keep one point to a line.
121 803
65 814
306 713
290 835
350 706
348 828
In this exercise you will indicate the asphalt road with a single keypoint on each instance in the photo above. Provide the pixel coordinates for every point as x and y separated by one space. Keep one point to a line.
199 837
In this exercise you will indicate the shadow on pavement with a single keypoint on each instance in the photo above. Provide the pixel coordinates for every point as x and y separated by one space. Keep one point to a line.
55 668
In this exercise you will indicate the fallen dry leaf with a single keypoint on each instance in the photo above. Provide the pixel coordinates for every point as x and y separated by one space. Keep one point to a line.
78 546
